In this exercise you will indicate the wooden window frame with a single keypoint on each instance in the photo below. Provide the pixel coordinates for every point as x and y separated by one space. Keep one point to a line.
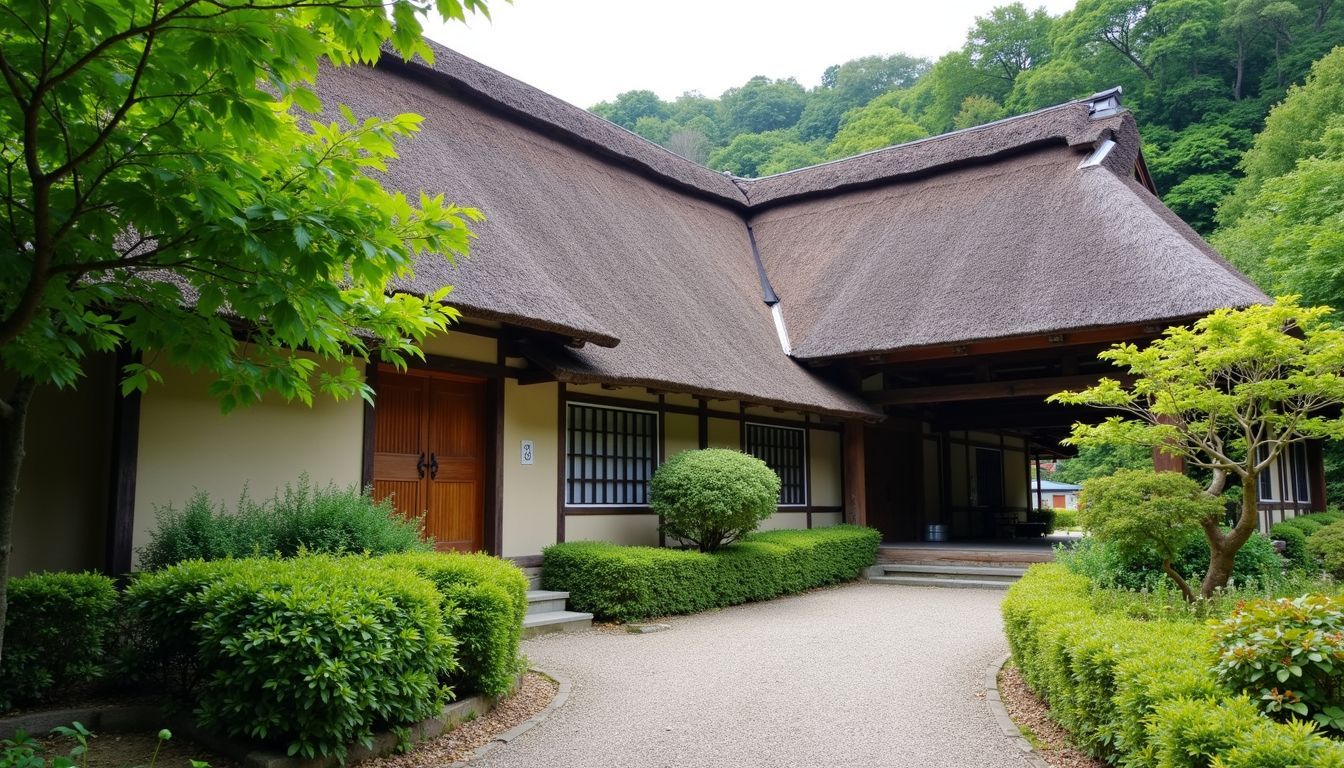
655 459
804 462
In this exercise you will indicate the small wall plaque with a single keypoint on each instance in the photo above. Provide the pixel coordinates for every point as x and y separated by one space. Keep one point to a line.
526 453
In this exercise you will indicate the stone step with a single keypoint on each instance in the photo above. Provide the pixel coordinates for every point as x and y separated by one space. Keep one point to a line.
556 621
545 601
1008 574
937 581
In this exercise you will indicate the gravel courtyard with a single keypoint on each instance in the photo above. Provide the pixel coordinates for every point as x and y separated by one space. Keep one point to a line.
869 675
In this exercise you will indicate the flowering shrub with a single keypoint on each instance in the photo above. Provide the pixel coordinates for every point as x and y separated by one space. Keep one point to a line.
1288 655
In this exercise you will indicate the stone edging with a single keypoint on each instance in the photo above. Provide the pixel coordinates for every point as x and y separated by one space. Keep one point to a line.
561 696
1000 713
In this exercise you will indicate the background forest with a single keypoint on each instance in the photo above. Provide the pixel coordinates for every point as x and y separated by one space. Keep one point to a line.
1240 104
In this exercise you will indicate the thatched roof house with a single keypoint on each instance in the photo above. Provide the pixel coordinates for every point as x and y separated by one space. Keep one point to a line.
860 325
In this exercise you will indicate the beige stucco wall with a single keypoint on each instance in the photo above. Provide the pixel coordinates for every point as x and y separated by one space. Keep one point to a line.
723 433
683 433
825 464
784 520
620 529
463 346
730 406
60 522
530 413
681 399
764 412
1015 478
187 444
823 519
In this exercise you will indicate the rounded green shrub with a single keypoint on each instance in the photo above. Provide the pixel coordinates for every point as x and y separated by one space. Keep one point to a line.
1327 545
713 497
56 633
1295 550
310 654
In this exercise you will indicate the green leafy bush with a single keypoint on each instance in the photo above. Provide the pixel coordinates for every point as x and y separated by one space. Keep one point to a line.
713 497
1327 546
1288 655
489 596
1295 551
1138 693
1256 565
1066 519
301 517
312 653
1047 515
631 583
56 633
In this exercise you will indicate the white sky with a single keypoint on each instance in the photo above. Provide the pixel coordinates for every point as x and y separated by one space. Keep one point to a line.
586 51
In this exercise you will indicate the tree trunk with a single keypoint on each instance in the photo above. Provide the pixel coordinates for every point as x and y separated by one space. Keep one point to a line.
1223 547
1179 579
13 419
1241 70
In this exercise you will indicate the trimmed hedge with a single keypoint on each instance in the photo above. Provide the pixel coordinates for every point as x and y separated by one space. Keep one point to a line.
1140 693
56 633
1066 519
490 595
311 654
631 583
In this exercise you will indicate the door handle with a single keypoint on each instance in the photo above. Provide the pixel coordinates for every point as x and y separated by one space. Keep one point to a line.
433 466
420 465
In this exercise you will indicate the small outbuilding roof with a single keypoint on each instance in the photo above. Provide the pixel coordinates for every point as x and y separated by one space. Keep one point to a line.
644 260
1051 485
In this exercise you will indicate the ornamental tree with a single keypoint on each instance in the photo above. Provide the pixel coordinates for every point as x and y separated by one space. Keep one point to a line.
171 185
1141 511
1228 394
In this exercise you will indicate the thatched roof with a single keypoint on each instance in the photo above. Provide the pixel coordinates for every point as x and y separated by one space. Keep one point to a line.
599 236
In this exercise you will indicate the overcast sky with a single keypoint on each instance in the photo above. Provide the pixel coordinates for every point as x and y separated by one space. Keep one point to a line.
586 51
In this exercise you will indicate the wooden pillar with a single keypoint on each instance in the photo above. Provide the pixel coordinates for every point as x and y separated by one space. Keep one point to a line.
1163 462
1316 475
125 455
856 501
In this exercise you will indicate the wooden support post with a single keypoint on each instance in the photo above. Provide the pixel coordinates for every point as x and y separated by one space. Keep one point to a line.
1316 475
1165 462
856 491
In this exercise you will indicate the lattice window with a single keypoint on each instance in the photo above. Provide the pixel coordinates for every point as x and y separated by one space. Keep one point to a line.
783 449
610 454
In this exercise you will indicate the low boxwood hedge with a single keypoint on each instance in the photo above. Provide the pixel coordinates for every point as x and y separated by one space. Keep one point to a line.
311 654
1140 693
631 583
490 595
56 634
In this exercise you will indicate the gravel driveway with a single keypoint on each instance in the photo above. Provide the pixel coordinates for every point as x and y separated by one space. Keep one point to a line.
862 675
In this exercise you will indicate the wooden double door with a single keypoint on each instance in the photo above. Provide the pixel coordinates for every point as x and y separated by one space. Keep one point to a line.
429 453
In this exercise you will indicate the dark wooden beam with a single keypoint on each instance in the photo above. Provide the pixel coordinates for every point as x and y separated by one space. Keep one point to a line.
125 457
990 390
1136 332
855 478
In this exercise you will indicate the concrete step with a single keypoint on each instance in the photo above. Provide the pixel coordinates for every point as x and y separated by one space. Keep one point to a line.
556 621
545 601
935 581
1007 574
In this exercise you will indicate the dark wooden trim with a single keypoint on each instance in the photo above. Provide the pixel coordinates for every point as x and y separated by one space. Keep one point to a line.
621 402
1103 335
526 561
580 511
119 544
1316 475
562 458
774 422
988 390
370 422
442 364
494 470
807 471
703 424
476 330
854 459
1024 448
662 455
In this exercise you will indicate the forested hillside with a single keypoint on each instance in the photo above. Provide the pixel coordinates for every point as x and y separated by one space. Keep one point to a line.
1200 75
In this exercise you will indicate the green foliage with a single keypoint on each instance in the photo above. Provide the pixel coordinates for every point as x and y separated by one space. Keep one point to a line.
1142 513
630 107
299 518
1066 519
762 104
489 597
1327 545
632 583
311 653
977 110
1288 656
757 154
713 497
1138 693
1256 565
1228 393
60 626
1295 551
176 168
1100 460
1047 515
880 123
1009 41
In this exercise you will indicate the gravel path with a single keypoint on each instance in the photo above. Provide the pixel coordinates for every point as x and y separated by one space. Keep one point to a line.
871 675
